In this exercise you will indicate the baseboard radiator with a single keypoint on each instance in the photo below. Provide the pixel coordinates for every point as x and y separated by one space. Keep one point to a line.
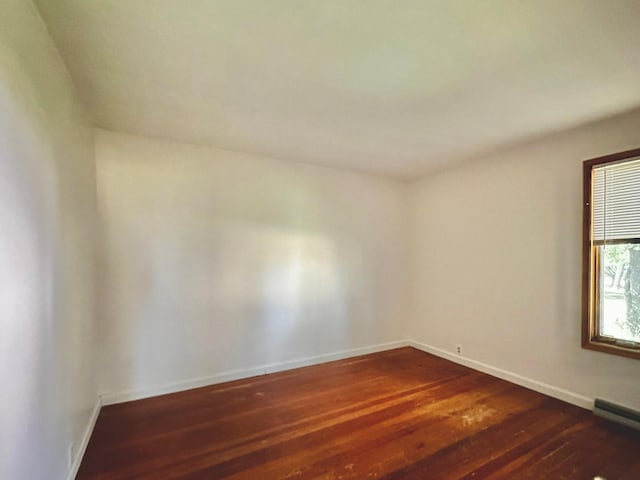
617 413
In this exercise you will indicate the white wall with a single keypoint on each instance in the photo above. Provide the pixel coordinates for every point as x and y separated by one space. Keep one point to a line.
217 261
496 256
47 215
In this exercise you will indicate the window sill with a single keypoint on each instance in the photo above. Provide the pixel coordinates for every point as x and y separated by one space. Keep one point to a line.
612 348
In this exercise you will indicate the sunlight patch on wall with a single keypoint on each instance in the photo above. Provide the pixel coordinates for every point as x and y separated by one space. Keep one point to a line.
25 293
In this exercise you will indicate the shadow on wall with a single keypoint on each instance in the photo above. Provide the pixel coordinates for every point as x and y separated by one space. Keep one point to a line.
198 296
217 261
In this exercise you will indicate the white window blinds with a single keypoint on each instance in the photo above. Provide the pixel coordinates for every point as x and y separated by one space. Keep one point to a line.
615 201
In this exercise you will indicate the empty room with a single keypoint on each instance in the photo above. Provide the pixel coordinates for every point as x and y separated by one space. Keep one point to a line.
329 239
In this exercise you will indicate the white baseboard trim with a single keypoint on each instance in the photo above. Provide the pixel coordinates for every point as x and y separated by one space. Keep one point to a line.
559 393
231 375
228 376
85 440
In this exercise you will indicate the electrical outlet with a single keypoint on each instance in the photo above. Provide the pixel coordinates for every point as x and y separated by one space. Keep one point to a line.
70 455
459 349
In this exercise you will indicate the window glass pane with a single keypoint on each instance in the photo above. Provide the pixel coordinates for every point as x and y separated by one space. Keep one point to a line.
619 291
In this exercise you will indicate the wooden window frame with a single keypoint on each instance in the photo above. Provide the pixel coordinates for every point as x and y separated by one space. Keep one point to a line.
590 337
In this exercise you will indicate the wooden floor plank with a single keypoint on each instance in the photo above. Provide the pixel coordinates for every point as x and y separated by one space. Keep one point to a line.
400 414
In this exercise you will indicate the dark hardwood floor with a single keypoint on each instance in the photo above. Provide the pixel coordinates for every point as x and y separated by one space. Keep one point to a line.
401 414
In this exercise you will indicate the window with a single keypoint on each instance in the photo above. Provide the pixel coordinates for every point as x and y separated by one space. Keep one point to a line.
611 254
